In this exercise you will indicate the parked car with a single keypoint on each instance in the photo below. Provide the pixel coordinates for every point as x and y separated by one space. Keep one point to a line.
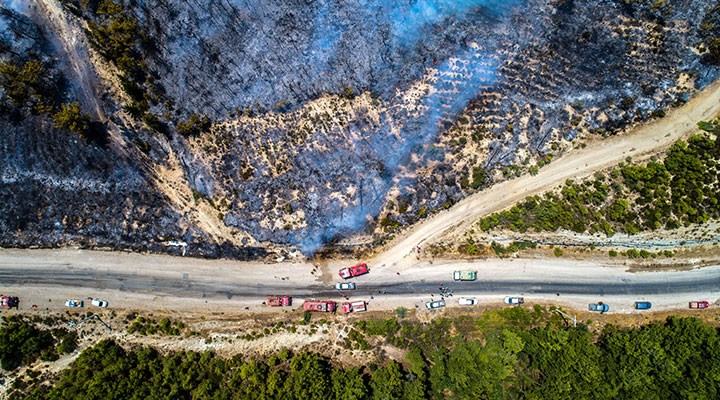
10 301
643 305
467 301
435 304
74 303
99 303
699 304
465 275
600 307
513 300
345 286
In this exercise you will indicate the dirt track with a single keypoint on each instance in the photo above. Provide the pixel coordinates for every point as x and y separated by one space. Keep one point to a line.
638 143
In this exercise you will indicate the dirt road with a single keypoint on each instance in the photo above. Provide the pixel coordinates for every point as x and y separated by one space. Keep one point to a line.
638 143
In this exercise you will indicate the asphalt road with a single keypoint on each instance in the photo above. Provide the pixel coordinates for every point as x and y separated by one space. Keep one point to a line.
82 273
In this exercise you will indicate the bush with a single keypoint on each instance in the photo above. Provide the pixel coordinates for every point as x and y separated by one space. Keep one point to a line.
68 343
194 125
558 252
401 312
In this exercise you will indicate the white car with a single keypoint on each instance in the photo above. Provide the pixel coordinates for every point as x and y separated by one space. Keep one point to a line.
74 303
513 300
435 304
99 303
345 286
467 301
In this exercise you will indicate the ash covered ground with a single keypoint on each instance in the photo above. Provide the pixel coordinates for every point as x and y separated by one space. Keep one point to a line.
338 117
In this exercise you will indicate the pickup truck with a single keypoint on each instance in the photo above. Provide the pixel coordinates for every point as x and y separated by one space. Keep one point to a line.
600 307
513 300
99 302
699 304
279 301
465 275
320 306
435 304
356 306
74 303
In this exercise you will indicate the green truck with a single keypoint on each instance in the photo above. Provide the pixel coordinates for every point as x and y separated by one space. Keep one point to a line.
465 275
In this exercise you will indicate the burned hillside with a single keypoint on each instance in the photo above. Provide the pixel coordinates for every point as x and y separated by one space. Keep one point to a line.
301 123
58 188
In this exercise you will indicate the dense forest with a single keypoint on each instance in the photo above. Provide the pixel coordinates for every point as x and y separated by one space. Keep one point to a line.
504 354
678 191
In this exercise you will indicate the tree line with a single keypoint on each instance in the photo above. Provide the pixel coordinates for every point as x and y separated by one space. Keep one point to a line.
513 353
678 191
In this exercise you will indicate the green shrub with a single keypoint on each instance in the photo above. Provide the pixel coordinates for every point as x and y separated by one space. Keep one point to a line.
194 125
401 312
70 117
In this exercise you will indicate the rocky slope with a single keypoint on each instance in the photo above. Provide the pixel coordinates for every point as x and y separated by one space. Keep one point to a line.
332 118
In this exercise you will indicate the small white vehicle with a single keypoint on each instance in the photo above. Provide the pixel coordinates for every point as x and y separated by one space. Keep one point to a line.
345 286
467 301
435 304
74 303
513 300
99 303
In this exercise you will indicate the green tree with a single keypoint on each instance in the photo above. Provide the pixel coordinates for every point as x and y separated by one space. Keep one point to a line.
72 118
386 382
308 377
348 384
22 343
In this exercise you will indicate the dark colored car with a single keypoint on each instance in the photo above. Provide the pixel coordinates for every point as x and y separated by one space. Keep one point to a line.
643 305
